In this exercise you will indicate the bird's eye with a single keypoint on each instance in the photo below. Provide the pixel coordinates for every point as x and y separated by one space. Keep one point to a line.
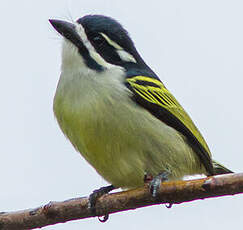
98 39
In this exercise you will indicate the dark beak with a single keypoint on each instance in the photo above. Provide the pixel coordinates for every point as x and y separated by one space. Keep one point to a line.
67 30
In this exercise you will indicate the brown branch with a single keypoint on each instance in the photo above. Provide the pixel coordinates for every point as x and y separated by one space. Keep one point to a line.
171 192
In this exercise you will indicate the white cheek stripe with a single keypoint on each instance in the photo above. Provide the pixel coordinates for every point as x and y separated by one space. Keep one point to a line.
83 36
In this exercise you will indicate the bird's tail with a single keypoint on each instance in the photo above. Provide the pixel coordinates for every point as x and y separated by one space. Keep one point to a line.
220 169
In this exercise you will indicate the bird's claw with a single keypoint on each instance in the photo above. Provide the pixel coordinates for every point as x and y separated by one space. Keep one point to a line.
156 181
94 196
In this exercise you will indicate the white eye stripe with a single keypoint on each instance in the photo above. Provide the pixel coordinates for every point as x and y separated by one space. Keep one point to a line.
124 55
112 43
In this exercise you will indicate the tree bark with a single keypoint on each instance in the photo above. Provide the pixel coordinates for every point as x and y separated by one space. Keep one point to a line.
173 192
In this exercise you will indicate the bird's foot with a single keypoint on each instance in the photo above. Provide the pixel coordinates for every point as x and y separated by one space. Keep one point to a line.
95 195
156 182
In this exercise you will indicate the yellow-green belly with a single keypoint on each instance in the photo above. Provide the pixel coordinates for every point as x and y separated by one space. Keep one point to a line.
121 140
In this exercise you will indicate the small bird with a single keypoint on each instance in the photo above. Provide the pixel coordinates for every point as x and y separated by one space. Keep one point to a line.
118 114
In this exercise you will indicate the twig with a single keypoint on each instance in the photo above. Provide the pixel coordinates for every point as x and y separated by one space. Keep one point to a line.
171 192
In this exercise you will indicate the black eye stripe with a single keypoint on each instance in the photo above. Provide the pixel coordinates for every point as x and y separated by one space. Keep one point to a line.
107 51
99 40
95 39
105 47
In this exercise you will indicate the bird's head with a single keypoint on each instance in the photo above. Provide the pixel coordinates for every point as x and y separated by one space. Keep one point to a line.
99 42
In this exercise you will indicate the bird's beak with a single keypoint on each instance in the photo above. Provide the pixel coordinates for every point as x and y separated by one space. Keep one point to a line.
67 30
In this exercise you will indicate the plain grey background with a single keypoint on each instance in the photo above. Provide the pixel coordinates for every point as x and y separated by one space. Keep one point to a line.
194 46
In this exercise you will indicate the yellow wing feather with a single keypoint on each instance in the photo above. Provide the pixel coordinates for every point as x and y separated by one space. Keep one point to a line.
154 91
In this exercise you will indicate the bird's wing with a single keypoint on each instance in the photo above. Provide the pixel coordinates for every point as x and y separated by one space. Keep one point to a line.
151 94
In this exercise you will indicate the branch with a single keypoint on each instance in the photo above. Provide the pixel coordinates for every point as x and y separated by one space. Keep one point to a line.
174 192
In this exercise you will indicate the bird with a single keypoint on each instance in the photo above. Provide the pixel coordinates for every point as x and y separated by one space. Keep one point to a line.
117 112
